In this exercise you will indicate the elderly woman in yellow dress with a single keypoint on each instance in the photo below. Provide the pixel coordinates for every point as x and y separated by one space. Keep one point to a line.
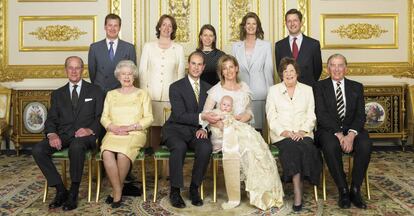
290 110
126 115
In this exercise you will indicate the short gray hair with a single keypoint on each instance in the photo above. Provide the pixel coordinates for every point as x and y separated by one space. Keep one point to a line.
337 55
126 63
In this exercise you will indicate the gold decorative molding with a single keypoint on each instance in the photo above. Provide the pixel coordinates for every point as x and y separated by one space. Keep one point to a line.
377 69
115 7
238 8
56 0
57 33
181 10
303 7
358 31
358 35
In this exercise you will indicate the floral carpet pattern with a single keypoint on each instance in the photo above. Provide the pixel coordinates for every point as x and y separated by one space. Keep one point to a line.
391 176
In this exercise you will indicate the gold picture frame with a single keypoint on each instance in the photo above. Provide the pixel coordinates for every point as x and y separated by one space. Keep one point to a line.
58 31
359 29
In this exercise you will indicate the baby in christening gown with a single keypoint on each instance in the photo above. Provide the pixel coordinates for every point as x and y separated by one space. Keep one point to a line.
245 150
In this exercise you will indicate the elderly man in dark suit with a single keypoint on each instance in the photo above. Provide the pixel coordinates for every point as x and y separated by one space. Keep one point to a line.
104 55
340 112
72 122
183 130
305 50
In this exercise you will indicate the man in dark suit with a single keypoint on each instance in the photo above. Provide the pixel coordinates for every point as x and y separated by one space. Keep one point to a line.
306 50
104 55
183 130
340 112
73 122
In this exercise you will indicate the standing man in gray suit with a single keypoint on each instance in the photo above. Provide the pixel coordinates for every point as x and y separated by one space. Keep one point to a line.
104 55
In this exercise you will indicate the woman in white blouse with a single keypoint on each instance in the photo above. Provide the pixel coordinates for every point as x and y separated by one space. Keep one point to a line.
290 109
162 63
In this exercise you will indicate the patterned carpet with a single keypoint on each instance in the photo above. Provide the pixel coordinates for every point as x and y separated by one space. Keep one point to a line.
391 178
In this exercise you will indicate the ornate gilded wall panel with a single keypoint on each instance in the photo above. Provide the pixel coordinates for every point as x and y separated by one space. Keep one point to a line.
232 12
359 31
56 33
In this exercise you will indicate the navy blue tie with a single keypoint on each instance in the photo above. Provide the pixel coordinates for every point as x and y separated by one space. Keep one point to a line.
111 50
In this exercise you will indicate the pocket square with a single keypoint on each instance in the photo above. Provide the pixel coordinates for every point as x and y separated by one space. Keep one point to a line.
88 99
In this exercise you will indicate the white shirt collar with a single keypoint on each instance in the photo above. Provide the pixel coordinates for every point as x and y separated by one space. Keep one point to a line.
193 81
79 84
115 43
299 37
342 83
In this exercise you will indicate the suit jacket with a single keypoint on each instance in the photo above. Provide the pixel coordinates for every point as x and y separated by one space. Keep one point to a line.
288 114
309 58
101 68
184 118
326 110
65 121
258 75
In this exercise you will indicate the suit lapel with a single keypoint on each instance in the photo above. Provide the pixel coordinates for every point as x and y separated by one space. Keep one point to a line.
256 51
286 47
348 97
303 47
104 50
330 96
118 51
66 96
242 55
203 96
81 101
190 93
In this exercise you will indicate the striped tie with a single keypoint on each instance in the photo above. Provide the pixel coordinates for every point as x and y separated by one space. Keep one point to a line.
196 90
340 106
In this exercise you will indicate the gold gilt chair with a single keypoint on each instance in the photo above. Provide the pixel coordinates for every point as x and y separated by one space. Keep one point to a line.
350 163
5 102
64 156
140 157
219 156
162 154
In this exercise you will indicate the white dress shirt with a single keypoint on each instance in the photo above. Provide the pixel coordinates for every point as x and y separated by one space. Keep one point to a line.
114 46
299 40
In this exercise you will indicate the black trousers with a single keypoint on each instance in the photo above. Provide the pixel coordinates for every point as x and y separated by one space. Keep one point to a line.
332 153
178 148
42 152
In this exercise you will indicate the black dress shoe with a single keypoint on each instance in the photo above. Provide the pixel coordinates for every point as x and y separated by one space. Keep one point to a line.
130 189
344 201
71 203
59 199
175 198
116 204
109 199
195 196
297 208
356 198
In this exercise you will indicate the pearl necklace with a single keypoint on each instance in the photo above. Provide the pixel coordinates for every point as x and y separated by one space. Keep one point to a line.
206 52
